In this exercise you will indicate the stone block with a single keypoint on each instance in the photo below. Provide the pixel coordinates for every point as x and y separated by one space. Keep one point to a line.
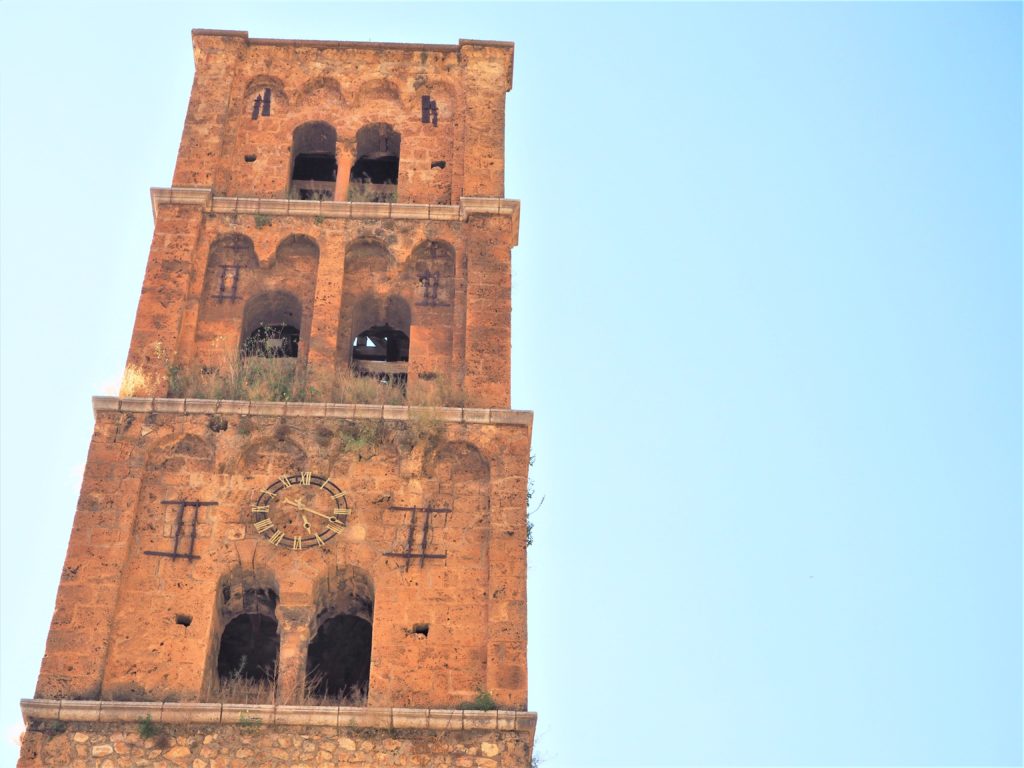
238 407
135 404
476 415
200 406
339 411
504 720
129 711
409 211
479 720
312 410
247 715
189 712
266 409
526 721
394 412
410 718
296 715
42 709
364 717
445 719
80 711
367 411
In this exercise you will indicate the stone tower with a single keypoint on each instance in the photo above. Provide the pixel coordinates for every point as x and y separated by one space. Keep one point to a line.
301 535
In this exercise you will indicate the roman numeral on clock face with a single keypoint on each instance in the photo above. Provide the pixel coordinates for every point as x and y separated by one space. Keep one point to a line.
289 513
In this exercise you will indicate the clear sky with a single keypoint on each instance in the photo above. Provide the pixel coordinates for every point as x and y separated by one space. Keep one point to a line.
767 310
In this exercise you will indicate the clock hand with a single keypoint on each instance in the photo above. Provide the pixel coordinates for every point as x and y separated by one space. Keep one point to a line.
305 522
302 507
332 518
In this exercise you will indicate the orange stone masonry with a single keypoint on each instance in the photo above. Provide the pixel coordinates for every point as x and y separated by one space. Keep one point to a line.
337 207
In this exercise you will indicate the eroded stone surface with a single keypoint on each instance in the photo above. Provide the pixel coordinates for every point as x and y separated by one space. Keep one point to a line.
165 553
276 747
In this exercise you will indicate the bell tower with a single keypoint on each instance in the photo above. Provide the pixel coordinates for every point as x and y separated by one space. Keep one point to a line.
301 534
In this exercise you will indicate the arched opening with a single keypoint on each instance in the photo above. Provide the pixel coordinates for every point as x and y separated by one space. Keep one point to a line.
248 650
244 662
380 338
381 344
270 327
314 162
374 174
338 656
338 661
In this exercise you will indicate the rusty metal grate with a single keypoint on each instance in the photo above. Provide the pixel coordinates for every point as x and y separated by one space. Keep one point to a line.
423 529
179 529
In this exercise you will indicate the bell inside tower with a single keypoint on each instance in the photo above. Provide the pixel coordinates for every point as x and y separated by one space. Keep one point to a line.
374 175
315 162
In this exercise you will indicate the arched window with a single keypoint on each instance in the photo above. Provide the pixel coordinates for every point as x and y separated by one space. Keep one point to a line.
314 162
247 652
380 337
248 649
374 175
338 657
270 327
382 344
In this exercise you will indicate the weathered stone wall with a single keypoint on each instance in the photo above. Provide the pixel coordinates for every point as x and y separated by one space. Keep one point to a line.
232 249
116 631
255 739
347 85
342 272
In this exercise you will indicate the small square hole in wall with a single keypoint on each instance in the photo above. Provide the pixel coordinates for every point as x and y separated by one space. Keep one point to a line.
250 158
420 629
183 619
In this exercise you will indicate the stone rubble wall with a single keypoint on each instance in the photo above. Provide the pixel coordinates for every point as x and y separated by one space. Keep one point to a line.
56 744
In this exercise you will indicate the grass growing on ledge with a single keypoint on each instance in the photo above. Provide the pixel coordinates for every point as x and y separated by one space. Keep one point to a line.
483 700
236 689
284 379
244 378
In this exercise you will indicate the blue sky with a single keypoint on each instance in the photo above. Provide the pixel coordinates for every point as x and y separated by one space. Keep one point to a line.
767 310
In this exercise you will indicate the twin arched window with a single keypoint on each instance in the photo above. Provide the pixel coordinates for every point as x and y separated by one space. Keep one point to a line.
337 658
374 173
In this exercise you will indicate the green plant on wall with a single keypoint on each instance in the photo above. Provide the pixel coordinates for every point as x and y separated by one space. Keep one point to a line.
147 728
249 722
483 700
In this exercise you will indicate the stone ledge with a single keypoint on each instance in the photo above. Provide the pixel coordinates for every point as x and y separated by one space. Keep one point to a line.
333 209
447 48
268 714
314 410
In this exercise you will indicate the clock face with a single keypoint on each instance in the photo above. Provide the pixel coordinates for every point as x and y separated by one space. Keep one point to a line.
302 511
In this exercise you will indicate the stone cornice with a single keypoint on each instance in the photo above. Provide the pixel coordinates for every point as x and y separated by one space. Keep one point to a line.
251 715
335 209
448 48
311 410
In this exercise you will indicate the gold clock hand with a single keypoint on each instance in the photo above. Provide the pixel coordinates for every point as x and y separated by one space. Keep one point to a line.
305 523
332 518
